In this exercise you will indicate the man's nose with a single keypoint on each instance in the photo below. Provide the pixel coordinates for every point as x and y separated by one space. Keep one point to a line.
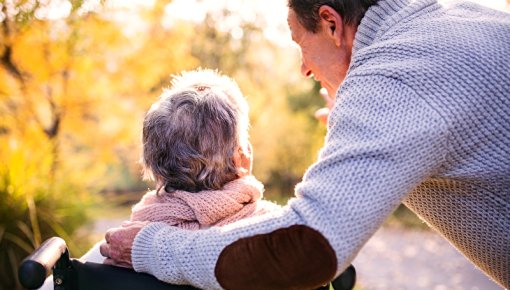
305 71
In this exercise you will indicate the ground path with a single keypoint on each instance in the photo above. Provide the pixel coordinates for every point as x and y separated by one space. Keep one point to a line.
396 258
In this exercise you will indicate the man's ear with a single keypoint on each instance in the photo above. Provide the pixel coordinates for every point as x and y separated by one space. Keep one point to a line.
331 23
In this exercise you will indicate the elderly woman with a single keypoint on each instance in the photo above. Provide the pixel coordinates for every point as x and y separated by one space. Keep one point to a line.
196 149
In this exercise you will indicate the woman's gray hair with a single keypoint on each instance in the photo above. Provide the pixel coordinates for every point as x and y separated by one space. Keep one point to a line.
190 135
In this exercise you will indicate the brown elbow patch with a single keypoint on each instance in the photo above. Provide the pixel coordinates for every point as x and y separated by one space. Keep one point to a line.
297 257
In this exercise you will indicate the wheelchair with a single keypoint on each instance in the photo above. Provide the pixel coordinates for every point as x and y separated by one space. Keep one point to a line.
73 274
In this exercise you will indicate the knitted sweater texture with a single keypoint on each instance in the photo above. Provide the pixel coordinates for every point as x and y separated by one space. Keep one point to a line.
238 199
422 117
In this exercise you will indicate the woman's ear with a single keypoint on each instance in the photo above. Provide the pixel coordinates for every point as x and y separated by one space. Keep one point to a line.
331 23
243 160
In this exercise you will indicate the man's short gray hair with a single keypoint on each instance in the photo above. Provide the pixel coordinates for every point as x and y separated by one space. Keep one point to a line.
307 11
190 135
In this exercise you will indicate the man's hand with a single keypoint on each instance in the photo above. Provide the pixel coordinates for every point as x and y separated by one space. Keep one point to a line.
119 242
323 113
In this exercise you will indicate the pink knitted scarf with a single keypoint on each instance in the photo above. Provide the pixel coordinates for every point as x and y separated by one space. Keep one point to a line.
238 199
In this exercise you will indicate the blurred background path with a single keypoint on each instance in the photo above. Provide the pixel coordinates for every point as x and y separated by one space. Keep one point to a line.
410 259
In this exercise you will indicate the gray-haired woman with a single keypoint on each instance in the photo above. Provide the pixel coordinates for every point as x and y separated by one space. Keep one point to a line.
196 149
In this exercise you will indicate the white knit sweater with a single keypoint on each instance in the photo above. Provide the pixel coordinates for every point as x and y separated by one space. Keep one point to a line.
423 116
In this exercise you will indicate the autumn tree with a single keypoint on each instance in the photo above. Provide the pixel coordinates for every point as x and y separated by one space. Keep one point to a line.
73 89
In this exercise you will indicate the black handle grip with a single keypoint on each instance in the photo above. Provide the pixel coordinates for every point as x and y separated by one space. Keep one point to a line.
346 280
33 270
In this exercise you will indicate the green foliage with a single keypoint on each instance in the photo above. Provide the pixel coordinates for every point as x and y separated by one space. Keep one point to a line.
32 210
404 217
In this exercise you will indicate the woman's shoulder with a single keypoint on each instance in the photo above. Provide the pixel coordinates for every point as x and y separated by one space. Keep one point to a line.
266 206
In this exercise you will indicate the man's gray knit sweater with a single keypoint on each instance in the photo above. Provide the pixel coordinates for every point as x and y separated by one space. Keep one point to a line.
422 117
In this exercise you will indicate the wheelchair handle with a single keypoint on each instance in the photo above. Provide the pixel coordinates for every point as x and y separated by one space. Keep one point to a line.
35 268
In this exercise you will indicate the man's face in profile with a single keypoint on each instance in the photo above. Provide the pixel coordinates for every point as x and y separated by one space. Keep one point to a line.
322 54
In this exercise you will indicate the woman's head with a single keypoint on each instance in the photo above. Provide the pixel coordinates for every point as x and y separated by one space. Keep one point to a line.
196 136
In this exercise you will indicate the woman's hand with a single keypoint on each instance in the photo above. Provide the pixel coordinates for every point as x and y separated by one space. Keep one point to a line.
119 242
